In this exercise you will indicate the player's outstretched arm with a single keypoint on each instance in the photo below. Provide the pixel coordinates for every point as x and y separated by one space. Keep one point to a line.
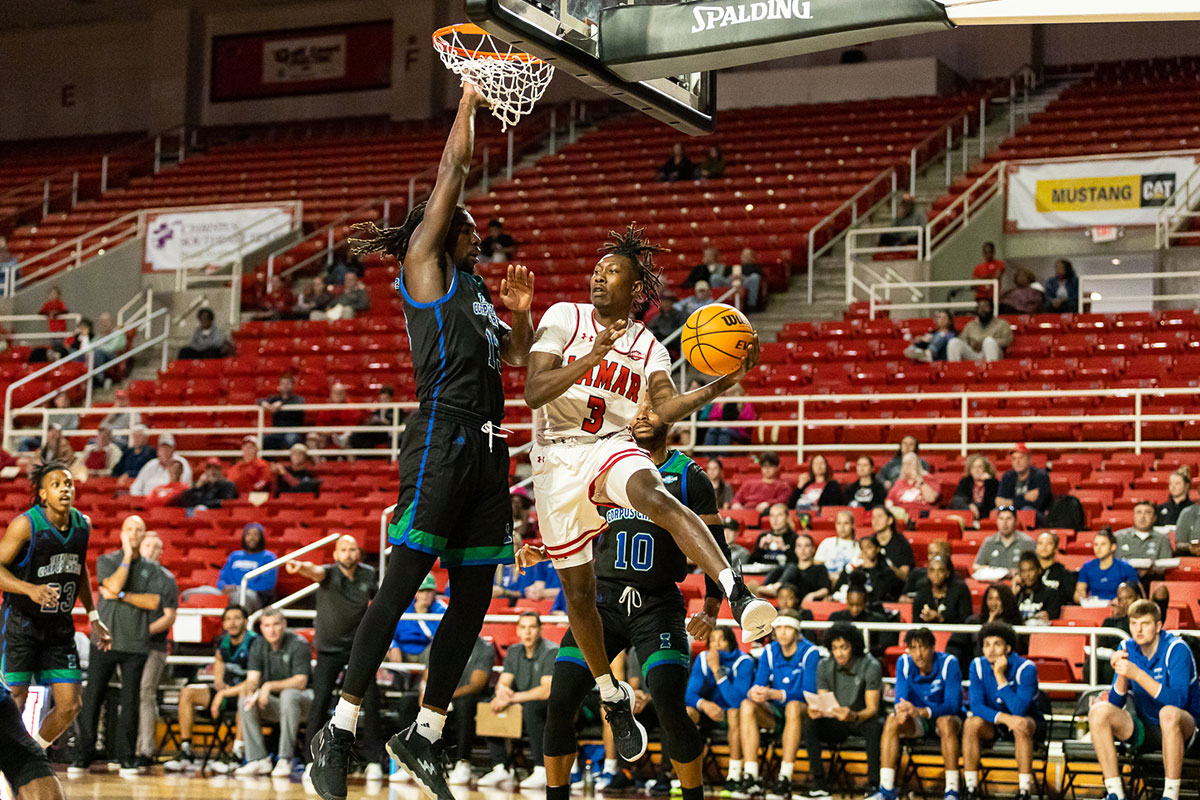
546 377
15 537
424 278
516 290
671 406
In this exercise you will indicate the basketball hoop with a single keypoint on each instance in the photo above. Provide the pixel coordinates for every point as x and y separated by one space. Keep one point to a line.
511 80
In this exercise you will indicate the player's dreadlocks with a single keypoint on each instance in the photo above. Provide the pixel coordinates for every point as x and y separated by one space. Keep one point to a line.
391 241
633 245
39 473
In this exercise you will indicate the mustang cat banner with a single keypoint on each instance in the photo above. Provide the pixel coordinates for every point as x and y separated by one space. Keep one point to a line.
1081 194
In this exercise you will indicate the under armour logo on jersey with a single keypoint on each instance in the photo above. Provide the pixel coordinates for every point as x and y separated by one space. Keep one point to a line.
587 337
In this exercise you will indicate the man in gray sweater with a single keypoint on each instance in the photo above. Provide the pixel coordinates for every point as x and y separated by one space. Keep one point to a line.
984 338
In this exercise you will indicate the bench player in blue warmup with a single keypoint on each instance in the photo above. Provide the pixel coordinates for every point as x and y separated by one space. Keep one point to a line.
721 676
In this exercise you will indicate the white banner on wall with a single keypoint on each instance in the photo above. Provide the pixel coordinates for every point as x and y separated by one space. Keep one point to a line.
199 236
308 58
1080 194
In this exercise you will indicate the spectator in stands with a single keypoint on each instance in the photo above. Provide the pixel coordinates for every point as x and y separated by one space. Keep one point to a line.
856 680
941 598
105 328
863 607
251 473
776 545
66 421
313 296
984 338
231 658
119 421
296 476
976 490
1179 491
157 472
522 504
260 590
907 216
460 718
896 548
381 417
811 580
161 620
738 555
1142 540
54 448
915 491
1025 297
524 682
928 706
670 318
498 245
208 341
701 296
713 165
867 491
281 416
7 262
891 470
677 167
786 670
998 604
102 454
53 309
412 637
1003 549
335 421
352 302
1024 486
769 489
988 269
171 492
1055 576
816 487
715 469
1101 576
721 676
137 455
1003 693
1034 599
918 576
747 275
1158 670
840 550
871 574
276 690
212 487
704 271
1062 291
932 346
1187 532
277 301
728 410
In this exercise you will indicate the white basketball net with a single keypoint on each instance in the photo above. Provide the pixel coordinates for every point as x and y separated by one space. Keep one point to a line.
511 80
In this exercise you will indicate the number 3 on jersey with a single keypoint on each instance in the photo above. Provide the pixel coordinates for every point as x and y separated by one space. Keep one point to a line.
595 420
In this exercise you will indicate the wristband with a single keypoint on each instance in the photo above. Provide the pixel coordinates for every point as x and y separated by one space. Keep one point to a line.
120 595
125 565
93 615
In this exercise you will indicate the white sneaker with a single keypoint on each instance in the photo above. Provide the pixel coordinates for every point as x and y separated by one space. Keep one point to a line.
220 767
253 768
460 775
180 764
399 776
283 768
536 779
499 776
374 772
306 779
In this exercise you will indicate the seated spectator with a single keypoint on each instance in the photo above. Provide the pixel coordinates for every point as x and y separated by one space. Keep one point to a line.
277 301
1003 548
413 636
931 346
522 504
1101 576
296 476
775 545
352 302
670 318
1025 297
861 608
786 670
810 580
1179 491
701 296
138 454
715 469
283 417
1024 486
260 590
102 454
460 718
170 492
998 604
7 262
728 410
891 470
840 550
53 309
1034 600
713 165
157 472
66 421
871 573
677 167
315 295
721 676
105 327
121 421
497 245
251 473
941 598
381 417
1141 540
211 488
334 421
988 269
524 683
816 488
1127 595
984 338
738 555
747 275
767 490
704 271
276 690
867 491
897 550
928 707
914 491
1003 694
907 216
918 576
208 341
855 679
1055 576
1062 291
1187 531
976 490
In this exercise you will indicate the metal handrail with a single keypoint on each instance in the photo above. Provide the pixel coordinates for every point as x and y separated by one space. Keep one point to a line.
910 285
852 250
948 132
27 273
985 187
283 559
327 232
71 317
852 205
1177 207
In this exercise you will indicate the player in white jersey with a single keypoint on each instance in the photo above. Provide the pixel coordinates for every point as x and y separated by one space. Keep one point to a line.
587 368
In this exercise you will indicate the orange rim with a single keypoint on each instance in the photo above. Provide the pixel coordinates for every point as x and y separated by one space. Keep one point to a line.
471 29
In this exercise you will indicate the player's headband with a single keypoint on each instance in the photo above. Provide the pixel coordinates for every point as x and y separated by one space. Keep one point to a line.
786 622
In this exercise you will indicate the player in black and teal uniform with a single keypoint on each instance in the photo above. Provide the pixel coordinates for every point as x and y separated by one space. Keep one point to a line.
43 570
23 762
638 568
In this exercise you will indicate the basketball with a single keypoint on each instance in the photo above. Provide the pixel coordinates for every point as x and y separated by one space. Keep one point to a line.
715 339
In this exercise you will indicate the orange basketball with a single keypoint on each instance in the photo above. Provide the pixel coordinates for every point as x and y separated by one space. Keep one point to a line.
715 339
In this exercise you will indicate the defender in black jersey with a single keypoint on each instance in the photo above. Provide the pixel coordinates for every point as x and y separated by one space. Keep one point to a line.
453 502
43 570
638 566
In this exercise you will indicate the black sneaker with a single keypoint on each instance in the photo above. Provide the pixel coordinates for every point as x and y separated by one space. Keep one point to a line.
628 733
753 615
1024 796
144 762
779 790
752 787
660 787
330 762
424 760
621 783
971 794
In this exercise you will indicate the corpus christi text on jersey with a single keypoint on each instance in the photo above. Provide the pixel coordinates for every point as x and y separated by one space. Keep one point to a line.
61 563
709 17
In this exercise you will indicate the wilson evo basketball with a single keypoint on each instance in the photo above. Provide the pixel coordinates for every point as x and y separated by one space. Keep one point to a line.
715 339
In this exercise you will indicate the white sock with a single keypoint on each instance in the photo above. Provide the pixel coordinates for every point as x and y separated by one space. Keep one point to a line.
785 770
751 769
610 692
971 778
1171 788
1113 786
610 766
951 780
429 724
1025 782
45 745
726 579
345 715
735 769
887 778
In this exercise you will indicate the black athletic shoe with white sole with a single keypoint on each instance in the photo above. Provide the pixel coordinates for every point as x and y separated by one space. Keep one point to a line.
628 733
753 615
424 760
331 761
